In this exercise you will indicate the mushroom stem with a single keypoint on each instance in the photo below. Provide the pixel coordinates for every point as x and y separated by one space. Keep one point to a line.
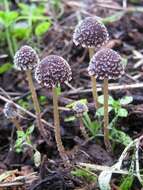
16 123
58 139
106 116
36 104
94 91
93 81
91 52
82 128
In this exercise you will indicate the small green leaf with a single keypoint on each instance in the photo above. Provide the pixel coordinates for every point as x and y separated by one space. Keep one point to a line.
5 67
18 149
23 103
126 100
42 28
37 158
94 128
127 182
84 174
122 112
101 100
119 136
10 17
30 130
21 30
71 118
20 134
100 111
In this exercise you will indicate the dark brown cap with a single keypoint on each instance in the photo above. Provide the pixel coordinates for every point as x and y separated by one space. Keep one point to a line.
53 70
26 58
90 32
10 110
106 63
79 109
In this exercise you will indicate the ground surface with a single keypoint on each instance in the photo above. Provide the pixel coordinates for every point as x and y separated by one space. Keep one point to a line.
126 36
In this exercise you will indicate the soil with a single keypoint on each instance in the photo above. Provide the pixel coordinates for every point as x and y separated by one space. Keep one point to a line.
125 37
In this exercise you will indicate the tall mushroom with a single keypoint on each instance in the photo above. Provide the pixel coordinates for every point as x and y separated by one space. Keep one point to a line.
105 65
26 59
54 70
92 34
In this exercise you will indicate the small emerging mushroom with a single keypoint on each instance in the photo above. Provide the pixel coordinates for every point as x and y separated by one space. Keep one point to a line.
80 109
54 70
26 60
105 65
11 112
92 34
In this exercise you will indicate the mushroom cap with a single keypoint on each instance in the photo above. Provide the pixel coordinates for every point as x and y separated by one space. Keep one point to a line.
53 70
26 58
106 63
79 109
90 32
10 110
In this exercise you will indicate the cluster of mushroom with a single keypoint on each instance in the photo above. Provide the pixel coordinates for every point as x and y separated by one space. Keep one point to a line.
49 72
53 70
105 64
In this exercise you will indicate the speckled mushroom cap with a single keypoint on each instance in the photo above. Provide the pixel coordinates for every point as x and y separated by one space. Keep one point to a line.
106 63
79 109
90 32
25 58
53 70
10 110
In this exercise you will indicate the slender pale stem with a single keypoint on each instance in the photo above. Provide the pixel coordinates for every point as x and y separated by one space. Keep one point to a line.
36 105
106 116
93 80
94 91
57 130
91 52
82 128
16 123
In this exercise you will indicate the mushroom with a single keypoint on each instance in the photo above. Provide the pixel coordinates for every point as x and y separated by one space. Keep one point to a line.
92 34
79 109
11 112
54 70
105 65
26 59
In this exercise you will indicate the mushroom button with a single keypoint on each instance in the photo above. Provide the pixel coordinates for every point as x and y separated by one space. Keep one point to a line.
10 110
79 109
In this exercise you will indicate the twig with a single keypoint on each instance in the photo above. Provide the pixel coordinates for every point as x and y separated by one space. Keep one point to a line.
111 87
96 167
137 162
5 93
